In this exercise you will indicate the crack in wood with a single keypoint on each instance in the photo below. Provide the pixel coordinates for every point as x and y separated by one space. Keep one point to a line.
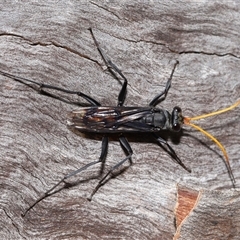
187 201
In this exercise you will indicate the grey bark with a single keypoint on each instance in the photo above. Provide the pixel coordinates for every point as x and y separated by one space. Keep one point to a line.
50 43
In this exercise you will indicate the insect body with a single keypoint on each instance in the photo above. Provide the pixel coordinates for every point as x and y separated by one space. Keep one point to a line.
121 119
125 119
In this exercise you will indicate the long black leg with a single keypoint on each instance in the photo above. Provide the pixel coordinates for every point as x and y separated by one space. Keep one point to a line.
101 159
165 91
171 151
41 86
126 146
110 65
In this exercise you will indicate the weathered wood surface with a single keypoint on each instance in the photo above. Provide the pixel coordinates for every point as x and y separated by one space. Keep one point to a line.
50 43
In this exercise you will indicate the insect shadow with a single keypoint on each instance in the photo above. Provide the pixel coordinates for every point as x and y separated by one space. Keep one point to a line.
117 122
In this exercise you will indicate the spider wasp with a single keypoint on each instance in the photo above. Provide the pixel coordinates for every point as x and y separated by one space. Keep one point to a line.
121 119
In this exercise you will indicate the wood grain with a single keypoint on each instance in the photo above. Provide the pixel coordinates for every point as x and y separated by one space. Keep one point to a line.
49 42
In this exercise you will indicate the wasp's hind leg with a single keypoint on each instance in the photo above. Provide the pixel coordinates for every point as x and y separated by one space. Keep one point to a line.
41 88
112 69
63 180
157 99
126 146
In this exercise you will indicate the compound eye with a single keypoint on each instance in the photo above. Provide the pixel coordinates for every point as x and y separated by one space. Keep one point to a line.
177 119
176 127
177 110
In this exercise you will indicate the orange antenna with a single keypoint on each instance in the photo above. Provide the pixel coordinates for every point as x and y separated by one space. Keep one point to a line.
187 121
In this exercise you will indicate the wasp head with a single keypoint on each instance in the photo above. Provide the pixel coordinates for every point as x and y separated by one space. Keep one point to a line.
177 119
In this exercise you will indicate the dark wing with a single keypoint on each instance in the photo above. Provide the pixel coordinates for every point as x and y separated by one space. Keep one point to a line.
110 119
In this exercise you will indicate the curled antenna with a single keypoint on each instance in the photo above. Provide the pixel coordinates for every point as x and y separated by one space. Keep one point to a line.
187 121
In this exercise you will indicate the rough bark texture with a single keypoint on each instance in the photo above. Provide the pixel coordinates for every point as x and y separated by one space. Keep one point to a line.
48 41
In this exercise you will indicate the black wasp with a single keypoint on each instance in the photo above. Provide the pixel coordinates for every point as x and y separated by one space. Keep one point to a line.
120 119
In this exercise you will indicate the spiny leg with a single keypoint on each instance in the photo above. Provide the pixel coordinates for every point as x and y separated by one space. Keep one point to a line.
171 151
50 191
156 99
110 65
126 146
41 86
92 101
